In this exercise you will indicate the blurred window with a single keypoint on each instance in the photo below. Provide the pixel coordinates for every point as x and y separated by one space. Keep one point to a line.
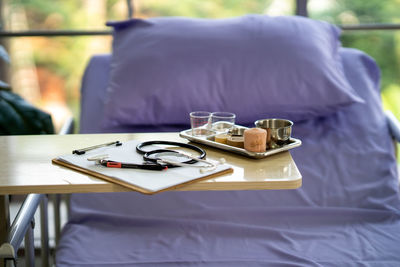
355 11
58 14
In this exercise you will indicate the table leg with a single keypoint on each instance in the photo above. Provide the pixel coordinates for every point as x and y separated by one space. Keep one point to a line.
4 217
4 220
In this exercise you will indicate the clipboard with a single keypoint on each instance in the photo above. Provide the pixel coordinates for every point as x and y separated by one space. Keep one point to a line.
143 181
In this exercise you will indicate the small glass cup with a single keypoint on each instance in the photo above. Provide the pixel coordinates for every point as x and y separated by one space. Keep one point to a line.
200 123
222 122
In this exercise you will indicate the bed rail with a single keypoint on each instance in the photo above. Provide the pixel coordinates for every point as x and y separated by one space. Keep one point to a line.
22 226
394 125
68 126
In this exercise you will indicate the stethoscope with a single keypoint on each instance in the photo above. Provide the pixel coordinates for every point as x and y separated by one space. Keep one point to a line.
162 159
163 156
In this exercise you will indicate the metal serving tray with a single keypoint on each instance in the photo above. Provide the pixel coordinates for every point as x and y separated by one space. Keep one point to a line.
209 141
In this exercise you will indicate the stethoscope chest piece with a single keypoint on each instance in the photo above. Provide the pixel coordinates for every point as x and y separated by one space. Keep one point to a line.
163 156
171 159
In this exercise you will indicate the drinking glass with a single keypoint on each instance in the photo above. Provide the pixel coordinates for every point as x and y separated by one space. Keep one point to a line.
200 123
222 121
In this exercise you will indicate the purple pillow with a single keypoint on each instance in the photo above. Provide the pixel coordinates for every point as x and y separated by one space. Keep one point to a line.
255 66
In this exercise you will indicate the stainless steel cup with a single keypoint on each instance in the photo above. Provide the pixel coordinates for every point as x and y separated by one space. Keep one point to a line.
278 131
237 131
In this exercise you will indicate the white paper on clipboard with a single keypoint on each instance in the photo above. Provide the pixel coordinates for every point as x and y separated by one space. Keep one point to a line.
149 180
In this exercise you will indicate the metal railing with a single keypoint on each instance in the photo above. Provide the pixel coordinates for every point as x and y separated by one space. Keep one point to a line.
72 33
53 33
22 227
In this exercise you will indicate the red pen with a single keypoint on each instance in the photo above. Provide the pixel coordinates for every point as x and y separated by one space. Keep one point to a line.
116 164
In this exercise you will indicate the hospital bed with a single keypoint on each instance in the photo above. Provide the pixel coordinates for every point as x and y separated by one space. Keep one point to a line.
347 212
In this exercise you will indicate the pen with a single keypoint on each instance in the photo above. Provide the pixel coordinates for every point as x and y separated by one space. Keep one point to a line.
83 150
115 164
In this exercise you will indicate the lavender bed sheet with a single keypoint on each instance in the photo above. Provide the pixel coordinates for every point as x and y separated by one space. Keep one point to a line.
347 213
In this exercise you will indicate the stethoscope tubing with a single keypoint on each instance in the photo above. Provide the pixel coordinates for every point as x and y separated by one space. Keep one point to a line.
147 154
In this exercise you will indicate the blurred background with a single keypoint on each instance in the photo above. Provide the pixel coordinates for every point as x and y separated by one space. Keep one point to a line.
47 70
